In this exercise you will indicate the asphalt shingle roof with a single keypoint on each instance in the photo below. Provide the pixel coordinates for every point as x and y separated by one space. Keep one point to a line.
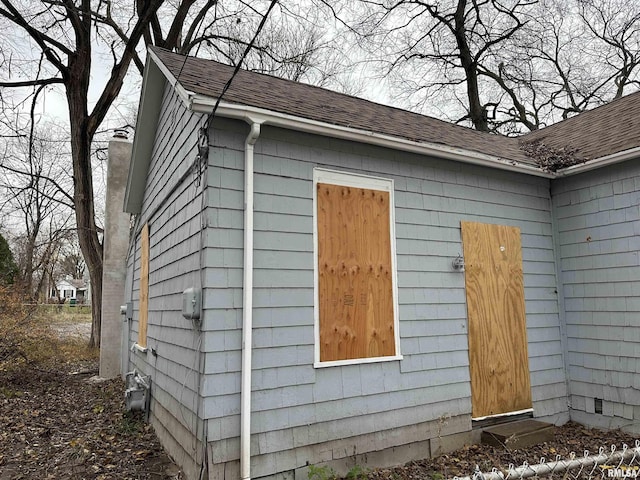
607 129
207 77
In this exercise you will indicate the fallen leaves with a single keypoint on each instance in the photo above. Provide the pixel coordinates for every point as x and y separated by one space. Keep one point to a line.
59 426
462 462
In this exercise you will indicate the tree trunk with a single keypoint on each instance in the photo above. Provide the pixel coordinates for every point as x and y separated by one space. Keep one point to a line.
95 276
85 219
27 276
81 137
470 66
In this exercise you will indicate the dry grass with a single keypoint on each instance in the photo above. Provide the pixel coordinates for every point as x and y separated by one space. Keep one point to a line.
63 314
64 317
54 423
26 336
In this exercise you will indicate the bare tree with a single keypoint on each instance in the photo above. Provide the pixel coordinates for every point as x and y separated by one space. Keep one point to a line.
57 42
444 42
71 261
292 46
505 66
34 188
615 29
572 56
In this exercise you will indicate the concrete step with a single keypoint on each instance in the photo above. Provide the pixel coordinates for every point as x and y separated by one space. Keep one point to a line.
519 434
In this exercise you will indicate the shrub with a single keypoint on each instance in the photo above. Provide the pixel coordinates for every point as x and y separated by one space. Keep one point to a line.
8 267
15 331
26 337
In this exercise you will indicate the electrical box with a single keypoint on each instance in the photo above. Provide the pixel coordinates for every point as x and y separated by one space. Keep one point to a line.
191 303
127 310
137 395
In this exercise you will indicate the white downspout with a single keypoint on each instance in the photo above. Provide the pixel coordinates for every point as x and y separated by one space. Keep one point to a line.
247 306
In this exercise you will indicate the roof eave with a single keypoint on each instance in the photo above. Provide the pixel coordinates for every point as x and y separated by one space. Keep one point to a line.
614 158
157 73
205 104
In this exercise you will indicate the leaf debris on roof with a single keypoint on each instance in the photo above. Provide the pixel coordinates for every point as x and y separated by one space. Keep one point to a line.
552 159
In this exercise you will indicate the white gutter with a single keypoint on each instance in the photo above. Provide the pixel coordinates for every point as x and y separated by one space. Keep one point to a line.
600 162
203 104
247 305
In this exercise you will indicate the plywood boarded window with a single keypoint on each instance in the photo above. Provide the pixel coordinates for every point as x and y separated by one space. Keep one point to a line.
355 292
144 287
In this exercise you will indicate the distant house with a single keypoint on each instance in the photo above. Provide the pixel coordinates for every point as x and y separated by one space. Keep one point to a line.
68 289
316 279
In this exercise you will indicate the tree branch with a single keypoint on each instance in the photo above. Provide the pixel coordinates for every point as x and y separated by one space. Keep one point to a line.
33 83
195 25
119 70
172 40
43 40
38 176
109 21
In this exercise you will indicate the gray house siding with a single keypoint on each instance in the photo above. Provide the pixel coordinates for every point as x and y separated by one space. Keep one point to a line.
173 357
598 221
303 415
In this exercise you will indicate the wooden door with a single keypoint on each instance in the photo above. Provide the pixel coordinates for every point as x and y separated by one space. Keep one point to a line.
498 358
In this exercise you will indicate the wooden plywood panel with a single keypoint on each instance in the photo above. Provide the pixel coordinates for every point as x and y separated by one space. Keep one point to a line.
144 287
354 273
522 434
498 358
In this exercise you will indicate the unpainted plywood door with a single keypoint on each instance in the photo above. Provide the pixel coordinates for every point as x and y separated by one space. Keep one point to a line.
498 358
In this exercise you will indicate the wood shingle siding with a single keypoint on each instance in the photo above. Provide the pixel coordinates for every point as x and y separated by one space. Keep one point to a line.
345 402
577 272
174 265
598 222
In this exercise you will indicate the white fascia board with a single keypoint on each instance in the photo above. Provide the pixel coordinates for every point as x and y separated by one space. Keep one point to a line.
204 104
600 162
184 94
149 110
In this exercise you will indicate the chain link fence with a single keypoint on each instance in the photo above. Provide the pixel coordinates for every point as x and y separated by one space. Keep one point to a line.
608 463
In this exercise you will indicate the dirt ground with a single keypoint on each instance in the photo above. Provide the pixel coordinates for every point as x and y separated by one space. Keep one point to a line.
568 438
80 330
56 423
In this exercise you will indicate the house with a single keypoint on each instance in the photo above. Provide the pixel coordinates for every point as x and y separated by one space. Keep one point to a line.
68 289
315 279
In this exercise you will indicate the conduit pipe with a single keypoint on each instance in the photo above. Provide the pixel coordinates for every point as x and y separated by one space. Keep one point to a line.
247 305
